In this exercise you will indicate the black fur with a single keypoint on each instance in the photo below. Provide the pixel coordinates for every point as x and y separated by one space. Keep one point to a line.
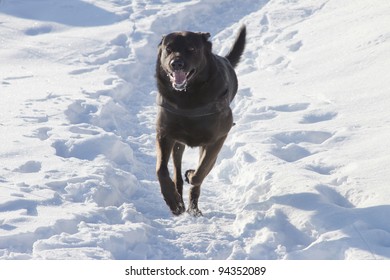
195 89
234 54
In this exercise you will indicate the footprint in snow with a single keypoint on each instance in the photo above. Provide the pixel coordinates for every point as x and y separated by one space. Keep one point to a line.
41 133
294 107
270 39
295 47
83 70
31 166
321 169
88 148
80 112
287 144
14 205
289 36
332 196
83 130
314 137
38 30
291 152
316 117
36 119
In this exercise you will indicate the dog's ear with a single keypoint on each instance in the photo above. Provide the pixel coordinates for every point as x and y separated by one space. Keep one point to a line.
206 36
162 40
159 49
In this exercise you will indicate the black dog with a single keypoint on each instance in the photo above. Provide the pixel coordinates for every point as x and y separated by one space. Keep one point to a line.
195 89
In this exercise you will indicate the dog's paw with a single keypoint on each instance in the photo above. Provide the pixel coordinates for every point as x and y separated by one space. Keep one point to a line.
178 210
195 212
175 203
189 173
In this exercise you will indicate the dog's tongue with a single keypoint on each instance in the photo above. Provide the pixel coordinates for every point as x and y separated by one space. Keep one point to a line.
179 77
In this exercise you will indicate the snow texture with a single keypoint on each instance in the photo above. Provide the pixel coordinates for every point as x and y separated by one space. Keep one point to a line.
304 174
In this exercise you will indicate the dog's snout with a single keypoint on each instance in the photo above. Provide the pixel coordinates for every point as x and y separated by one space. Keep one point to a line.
177 64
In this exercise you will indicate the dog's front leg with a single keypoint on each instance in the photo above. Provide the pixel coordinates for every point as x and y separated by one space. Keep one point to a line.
168 189
177 155
207 158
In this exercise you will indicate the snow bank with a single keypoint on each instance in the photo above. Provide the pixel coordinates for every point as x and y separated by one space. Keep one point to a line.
302 175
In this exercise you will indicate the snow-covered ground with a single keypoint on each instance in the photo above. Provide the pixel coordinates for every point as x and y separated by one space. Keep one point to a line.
304 174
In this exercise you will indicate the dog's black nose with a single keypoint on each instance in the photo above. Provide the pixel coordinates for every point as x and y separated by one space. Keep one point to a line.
177 64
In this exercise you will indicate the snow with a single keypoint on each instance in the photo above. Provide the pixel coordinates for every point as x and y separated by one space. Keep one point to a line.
304 174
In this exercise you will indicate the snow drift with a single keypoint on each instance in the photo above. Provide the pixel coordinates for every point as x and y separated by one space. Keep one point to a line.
304 174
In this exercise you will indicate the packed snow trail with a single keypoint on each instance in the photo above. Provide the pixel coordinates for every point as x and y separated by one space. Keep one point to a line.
302 175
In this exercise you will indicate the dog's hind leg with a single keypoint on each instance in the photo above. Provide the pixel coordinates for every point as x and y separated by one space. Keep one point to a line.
177 155
168 189
207 159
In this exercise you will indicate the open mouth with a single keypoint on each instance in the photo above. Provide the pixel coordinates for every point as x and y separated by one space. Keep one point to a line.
180 78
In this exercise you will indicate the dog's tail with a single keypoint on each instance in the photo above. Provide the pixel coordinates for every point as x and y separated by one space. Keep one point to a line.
236 51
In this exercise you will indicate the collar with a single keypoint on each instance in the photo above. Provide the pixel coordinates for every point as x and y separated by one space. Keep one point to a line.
209 109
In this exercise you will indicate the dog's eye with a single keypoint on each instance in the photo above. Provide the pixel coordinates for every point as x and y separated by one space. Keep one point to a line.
168 49
191 49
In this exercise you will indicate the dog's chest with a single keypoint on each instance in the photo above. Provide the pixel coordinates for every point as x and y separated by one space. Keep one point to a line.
193 132
197 131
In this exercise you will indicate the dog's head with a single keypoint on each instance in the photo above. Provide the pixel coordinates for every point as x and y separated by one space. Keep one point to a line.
182 56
